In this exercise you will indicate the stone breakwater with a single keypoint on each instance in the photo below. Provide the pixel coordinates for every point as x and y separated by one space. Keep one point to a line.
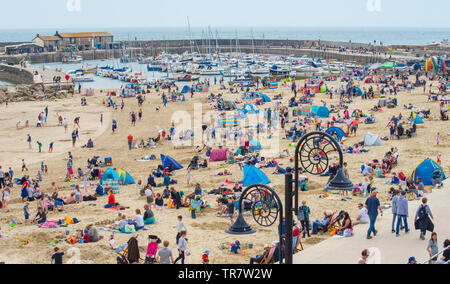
34 92
15 75
322 49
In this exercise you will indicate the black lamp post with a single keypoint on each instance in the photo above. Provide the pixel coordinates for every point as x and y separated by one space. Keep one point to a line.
313 154
266 208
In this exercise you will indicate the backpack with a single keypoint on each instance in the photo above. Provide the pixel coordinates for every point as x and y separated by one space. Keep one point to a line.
422 212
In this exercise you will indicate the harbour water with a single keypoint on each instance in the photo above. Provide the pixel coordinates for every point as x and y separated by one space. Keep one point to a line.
106 83
389 36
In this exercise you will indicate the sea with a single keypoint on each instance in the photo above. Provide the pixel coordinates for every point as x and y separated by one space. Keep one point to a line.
388 36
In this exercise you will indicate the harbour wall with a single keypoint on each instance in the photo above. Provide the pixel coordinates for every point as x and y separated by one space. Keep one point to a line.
270 47
15 75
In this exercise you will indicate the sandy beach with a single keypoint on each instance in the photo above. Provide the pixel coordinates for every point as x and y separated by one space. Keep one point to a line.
207 231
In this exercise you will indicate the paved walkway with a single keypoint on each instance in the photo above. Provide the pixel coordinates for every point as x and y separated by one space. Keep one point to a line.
386 247
45 76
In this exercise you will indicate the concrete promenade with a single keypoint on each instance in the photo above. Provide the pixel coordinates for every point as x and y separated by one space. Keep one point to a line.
386 247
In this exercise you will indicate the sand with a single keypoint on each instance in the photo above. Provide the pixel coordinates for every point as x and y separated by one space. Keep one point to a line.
205 232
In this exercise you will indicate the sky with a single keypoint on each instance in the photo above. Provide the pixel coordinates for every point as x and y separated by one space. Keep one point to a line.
51 14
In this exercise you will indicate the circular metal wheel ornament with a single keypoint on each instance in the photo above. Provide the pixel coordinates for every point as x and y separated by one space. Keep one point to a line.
265 206
315 152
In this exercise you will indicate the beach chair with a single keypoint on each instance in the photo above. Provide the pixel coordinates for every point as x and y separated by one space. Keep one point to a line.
296 242
333 222
268 256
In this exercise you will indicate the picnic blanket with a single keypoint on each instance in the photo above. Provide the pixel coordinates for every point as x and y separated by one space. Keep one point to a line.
146 228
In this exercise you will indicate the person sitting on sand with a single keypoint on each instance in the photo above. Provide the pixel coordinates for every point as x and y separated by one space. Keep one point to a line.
93 233
70 199
159 201
99 191
111 200
224 173
138 220
41 217
363 216
149 217
279 170
347 226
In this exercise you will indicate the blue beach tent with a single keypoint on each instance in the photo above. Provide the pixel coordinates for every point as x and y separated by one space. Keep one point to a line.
166 160
252 176
186 89
119 175
265 98
336 131
425 170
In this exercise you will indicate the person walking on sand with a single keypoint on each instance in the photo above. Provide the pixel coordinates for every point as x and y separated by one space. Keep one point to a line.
66 125
373 205
74 137
180 227
29 141
130 142
24 166
76 122
182 247
438 139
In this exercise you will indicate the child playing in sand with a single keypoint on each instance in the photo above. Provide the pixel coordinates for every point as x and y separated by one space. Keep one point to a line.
26 212
57 257
188 177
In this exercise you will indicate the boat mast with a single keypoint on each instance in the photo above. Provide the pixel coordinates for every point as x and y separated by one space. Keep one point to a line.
190 36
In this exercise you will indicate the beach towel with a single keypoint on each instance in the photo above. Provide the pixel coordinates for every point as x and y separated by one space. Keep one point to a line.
146 228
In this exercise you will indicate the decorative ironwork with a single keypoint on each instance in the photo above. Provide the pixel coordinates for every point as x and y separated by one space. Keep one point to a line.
314 152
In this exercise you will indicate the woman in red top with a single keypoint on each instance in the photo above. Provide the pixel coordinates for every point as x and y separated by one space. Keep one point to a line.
111 200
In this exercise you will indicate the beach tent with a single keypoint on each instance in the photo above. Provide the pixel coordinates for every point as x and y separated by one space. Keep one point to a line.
358 91
417 119
166 160
252 176
336 131
322 112
218 155
249 108
185 90
323 89
119 175
255 146
372 140
265 99
425 170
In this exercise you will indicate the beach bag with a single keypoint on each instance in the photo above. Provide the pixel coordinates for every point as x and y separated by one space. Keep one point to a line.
348 233
130 229
422 212
333 232
301 215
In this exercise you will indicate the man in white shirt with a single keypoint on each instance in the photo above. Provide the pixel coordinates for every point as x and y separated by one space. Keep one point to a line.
363 216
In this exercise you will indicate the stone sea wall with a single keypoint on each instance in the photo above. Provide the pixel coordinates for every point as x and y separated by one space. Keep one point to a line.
15 75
